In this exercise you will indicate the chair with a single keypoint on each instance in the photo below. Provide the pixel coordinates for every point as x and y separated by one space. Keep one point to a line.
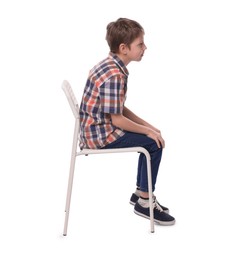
75 153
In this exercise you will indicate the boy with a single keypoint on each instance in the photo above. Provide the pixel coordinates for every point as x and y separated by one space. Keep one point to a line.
107 123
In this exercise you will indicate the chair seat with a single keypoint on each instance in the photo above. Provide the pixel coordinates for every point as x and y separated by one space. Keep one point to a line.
114 150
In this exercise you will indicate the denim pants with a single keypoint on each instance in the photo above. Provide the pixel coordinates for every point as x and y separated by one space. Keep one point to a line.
130 139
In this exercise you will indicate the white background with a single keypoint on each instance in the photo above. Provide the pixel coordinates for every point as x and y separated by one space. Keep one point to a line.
179 87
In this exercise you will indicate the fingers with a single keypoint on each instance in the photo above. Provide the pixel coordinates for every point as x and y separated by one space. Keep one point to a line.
160 142
163 143
157 138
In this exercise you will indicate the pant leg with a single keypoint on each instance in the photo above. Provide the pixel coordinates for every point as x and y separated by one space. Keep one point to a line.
132 140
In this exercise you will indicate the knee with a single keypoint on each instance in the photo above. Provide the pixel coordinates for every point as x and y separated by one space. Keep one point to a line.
153 148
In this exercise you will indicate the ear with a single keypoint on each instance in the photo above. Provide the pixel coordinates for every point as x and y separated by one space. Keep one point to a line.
123 48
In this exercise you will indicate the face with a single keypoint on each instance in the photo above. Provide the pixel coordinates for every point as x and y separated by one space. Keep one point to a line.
137 49
135 52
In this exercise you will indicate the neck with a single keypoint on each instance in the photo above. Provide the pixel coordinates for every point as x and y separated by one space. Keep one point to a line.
123 58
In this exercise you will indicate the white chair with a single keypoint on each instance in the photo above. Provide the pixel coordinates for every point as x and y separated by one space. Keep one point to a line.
75 109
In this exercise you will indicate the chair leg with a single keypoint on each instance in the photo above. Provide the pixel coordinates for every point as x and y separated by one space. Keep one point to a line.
150 192
70 182
69 195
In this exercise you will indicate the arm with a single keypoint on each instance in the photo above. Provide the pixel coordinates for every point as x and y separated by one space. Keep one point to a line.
121 121
130 115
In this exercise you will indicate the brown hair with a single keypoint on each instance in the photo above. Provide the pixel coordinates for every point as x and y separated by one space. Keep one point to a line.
122 31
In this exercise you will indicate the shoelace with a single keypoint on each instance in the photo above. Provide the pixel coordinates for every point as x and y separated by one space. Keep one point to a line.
156 204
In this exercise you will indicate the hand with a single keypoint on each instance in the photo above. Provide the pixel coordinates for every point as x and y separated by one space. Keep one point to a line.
157 137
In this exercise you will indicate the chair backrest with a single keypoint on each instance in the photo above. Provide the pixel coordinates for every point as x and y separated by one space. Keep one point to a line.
71 98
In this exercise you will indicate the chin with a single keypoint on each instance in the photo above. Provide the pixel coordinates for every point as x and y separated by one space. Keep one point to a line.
139 58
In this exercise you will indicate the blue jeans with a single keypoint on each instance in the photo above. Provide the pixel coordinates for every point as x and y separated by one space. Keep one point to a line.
130 139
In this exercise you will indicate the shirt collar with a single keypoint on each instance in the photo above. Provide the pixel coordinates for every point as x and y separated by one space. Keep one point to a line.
119 62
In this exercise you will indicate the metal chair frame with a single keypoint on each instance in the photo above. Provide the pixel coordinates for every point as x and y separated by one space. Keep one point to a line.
75 153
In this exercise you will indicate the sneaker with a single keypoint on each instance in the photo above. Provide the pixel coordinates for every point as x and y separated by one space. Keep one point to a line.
134 198
160 216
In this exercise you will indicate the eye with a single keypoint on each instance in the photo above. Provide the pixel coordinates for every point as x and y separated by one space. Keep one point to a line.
141 45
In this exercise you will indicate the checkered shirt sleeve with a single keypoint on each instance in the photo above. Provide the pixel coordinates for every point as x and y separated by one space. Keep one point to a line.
112 95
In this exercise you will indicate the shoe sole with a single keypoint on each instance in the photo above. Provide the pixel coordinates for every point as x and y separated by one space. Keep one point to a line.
161 223
133 204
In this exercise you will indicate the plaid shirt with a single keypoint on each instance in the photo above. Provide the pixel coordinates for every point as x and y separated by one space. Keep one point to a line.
104 94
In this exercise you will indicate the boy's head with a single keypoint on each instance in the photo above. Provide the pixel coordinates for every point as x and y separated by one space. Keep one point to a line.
122 31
